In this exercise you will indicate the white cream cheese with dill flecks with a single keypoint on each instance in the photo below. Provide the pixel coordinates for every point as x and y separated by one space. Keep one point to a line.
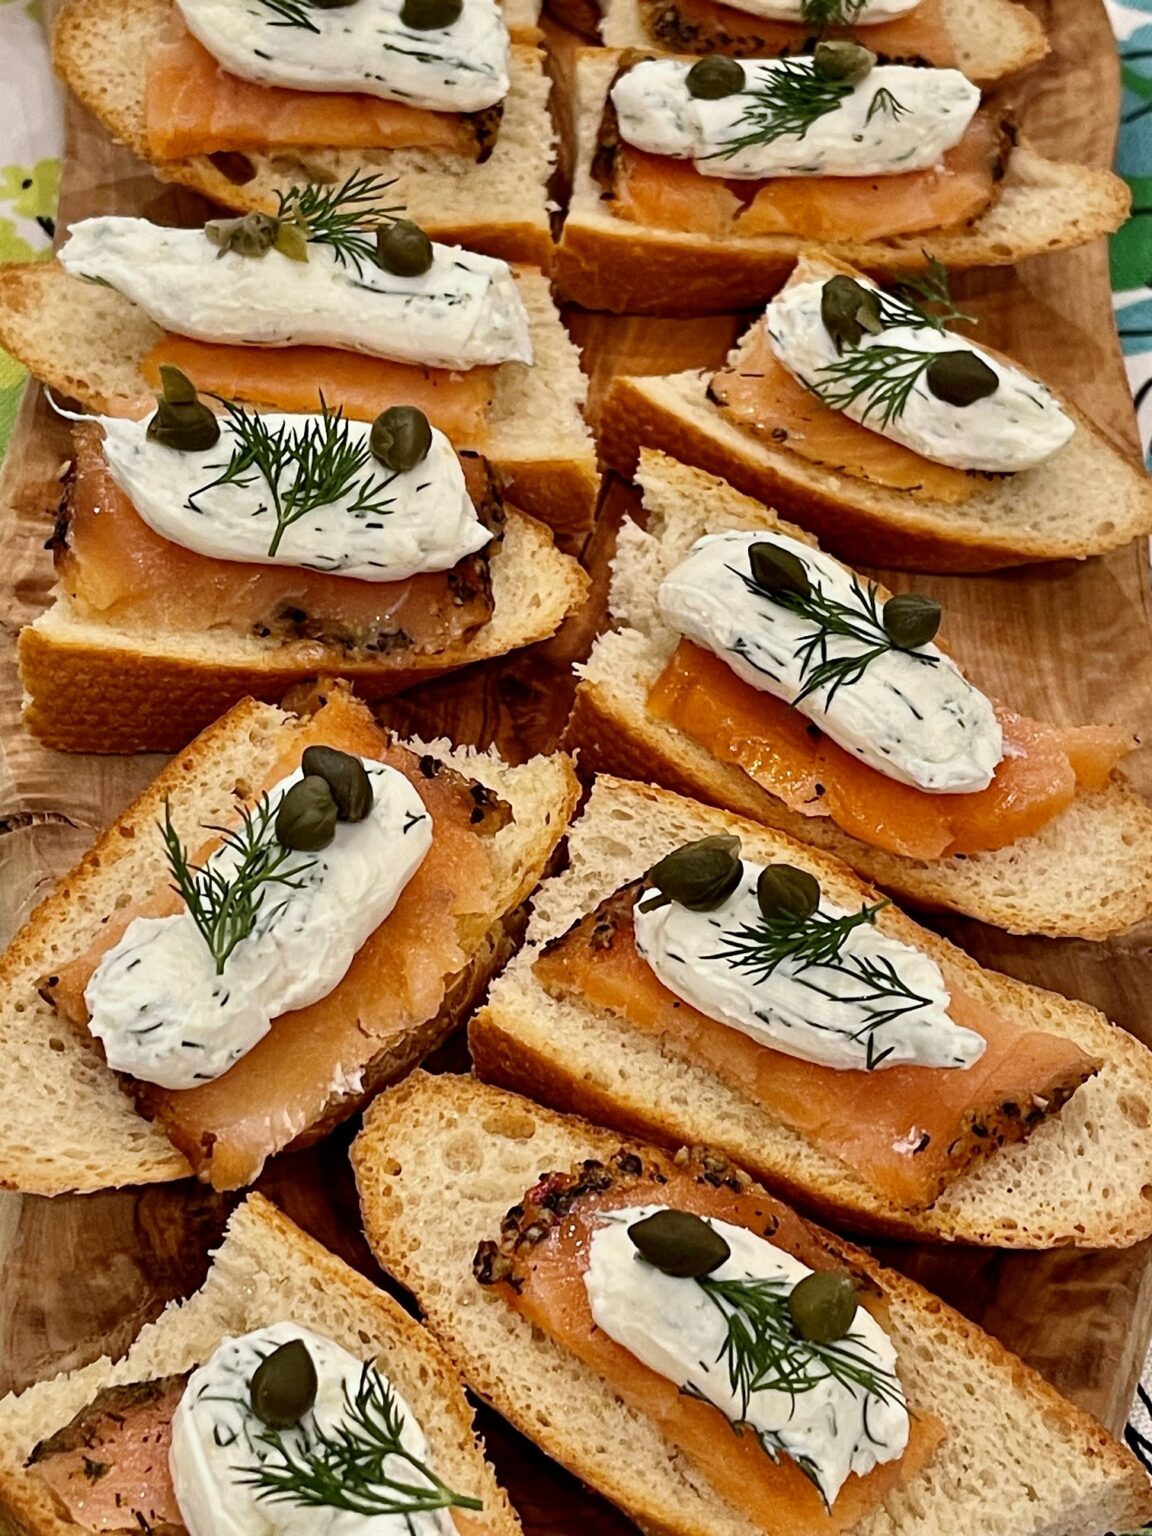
679 1328
876 1002
910 714
849 13
464 312
1017 426
384 526
366 46
156 1002
219 1445
897 119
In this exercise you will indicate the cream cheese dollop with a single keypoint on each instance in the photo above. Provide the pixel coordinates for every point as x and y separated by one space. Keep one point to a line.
673 1327
155 1001
859 137
870 12
913 716
428 524
216 1439
362 47
848 1016
1018 427
464 312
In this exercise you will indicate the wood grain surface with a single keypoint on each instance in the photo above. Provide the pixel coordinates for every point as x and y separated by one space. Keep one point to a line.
80 1275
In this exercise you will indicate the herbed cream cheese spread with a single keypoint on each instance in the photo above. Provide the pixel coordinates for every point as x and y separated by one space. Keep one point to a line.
464 312
216 1442
867 13
675 1328
912 715
386 527
363 47
1016 428
864 134
164 1015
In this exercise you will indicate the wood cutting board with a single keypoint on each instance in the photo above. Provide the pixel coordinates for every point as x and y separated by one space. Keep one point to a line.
80 1275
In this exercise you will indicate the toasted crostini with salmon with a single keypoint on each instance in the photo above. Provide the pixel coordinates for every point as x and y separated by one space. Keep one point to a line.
627 1308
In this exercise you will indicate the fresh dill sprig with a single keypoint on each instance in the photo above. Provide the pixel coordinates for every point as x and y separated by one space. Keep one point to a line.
883 376
346 1468
292 13
885 103
830 13
922 299
225 906
818 940
303 467
793 97
345 218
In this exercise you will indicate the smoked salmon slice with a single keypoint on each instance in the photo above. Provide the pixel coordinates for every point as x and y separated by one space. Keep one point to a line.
906 1131
1043 767
538 1266
280 1089
194 107
704 26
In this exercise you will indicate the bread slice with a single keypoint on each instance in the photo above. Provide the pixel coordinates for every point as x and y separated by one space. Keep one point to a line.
1082 1178
441 1160
1085 500
607 262
992 38
101 49
72 1127
266 1270
1087 874
88 343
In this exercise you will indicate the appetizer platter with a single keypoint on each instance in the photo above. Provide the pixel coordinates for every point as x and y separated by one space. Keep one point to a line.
549 784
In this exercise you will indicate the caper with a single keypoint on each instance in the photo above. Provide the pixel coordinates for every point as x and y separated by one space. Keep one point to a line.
911 619
254 234
182 420
714 77
292 241
778 570
701 875
430 15
403 248
823 1305
401 437
849 62
784 891
678 1243
848 309
306 818
961 378
345 776
283 1385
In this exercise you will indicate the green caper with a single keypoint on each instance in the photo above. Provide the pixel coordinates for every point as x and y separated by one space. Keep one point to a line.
961 378
292 241
849 62
283 1385
678 1243
182 420
715 76
784 891
430 15
254 234
401 437
345 776
403 248
911 619
848 309
823 1305
701 875
306 818
778 570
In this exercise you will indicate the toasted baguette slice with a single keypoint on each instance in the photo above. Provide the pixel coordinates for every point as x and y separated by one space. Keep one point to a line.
73 1128
992 38
1087 499
1041 1193
1087 874
88 343
441 1160
266 1270
607 262
101 49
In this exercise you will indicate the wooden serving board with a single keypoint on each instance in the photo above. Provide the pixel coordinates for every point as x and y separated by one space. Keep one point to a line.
80 1275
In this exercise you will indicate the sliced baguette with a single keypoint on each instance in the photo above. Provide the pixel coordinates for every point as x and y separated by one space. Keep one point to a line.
607 262
88 343
1083 1177
266 1270
1087 874
441 1160
73 1128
